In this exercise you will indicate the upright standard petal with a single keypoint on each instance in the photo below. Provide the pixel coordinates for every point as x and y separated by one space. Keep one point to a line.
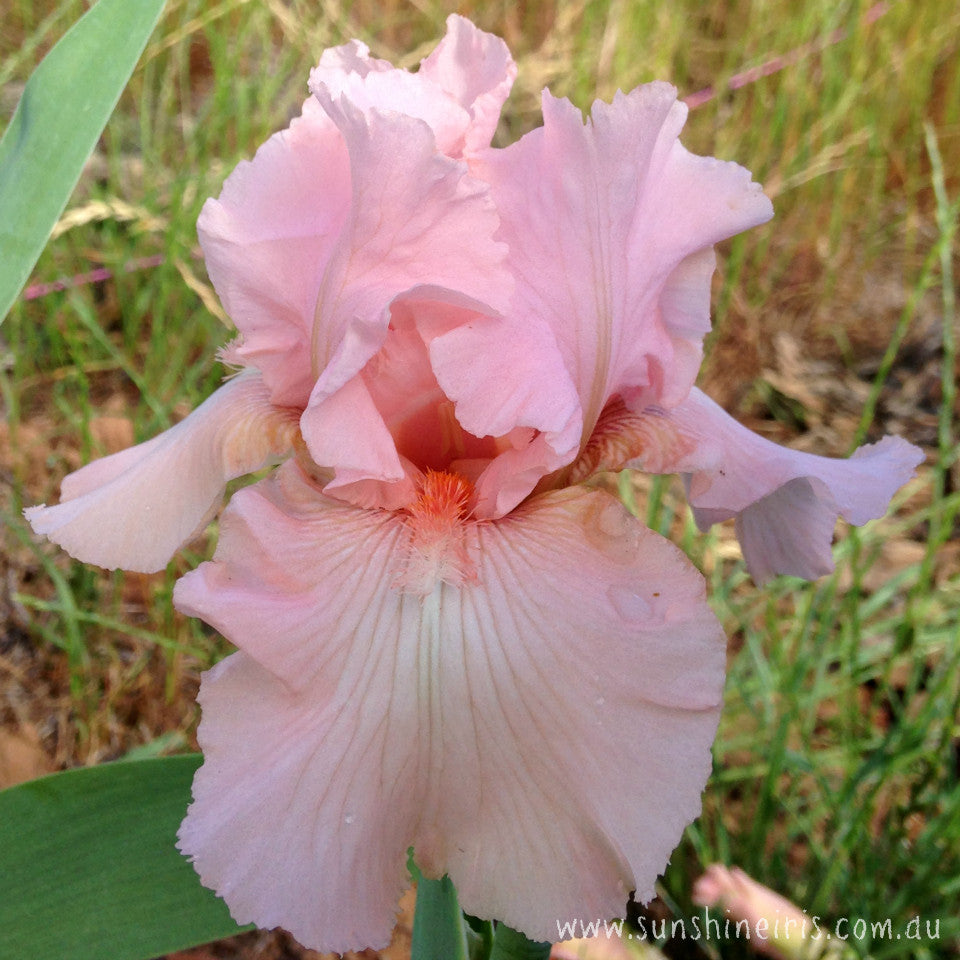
135 508
458 90
476 69
417 218
554 704
786 502
267 240
611 243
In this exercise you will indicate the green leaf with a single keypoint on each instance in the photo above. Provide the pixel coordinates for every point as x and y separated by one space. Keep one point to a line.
479 937
439 930
89 870
509 944
64 107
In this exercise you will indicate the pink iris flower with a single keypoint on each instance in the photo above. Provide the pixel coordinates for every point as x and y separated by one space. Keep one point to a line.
447 639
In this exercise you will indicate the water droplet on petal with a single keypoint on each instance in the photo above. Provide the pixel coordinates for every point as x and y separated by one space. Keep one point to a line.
349 818
630 605
614 521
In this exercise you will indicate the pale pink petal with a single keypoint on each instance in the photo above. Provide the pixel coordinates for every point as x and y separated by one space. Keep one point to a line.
504 375
308 796
556 708
301 812
602 947
427 398
594 677
417 218
458 90
267 240
780 928
789 531
397 92
598 216
508 479
351 437
786 502
476 69
685 311
350 57
379 423
134 509
360 489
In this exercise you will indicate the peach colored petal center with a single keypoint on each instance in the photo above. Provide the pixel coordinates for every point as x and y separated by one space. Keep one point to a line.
418 414
416 411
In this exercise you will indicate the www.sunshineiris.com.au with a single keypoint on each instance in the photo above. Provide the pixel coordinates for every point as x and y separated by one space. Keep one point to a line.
778 928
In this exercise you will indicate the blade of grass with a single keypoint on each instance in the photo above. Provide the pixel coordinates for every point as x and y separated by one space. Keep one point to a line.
62 112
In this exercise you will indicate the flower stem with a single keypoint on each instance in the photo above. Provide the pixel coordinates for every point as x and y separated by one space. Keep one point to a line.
439 932
508 944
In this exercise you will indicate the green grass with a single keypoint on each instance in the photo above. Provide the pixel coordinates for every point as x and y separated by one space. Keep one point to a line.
837 777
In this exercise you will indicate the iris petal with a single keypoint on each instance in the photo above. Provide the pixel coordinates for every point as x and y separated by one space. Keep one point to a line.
267 240
611 247
458 90
136 508
785 502
558 708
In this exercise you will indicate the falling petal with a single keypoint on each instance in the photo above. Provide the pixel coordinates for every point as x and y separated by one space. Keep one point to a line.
558 703
134 509
786 502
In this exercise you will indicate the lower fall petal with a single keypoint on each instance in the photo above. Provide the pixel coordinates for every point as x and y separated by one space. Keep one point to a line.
555 707
785 502
302 809
593 670
733 468
135 508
